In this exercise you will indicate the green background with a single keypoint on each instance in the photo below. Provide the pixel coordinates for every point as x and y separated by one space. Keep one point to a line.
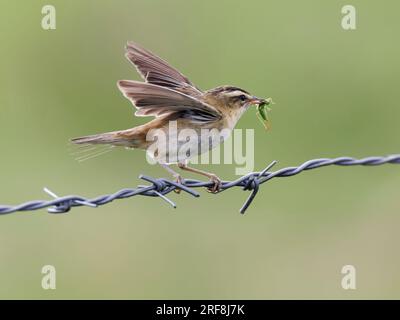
337 94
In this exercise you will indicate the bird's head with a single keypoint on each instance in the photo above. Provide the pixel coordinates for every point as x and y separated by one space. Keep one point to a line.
232 98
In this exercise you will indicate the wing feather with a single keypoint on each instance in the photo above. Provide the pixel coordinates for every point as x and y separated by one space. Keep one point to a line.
155 70
155 100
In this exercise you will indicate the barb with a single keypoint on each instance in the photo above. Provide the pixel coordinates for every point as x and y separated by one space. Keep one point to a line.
160 187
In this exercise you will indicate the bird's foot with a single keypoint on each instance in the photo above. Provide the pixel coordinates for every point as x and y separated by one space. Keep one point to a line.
178 179
217 184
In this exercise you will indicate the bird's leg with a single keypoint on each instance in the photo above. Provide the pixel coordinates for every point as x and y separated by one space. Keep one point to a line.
217 181
177 177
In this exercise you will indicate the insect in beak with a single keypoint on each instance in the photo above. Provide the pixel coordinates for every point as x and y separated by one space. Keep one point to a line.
262 109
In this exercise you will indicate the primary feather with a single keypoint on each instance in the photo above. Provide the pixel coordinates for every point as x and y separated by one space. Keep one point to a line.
157 71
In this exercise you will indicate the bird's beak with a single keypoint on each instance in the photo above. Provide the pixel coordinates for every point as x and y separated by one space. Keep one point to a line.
258 101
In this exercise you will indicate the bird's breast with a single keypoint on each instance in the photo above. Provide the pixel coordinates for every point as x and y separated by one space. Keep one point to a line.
184 140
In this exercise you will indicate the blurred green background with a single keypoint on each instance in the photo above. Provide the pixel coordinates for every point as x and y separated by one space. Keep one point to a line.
337 94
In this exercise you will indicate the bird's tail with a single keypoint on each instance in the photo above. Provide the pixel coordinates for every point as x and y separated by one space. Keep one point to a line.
98 144
132 138
102 138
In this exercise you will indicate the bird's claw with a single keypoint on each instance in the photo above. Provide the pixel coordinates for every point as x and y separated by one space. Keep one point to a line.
217 184
178 179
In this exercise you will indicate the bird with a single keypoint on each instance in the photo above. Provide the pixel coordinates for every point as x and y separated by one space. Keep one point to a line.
170 97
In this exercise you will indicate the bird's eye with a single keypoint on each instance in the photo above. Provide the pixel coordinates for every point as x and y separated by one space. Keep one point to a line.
242 97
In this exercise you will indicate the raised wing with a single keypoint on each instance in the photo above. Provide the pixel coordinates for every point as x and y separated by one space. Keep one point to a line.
154 100
155 70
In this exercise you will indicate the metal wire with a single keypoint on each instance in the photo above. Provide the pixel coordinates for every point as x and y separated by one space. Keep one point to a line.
160 187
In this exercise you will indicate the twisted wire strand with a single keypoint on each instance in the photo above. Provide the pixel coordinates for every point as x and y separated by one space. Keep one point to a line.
160 187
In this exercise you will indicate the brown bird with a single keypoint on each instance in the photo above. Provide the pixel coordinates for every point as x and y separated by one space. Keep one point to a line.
172 98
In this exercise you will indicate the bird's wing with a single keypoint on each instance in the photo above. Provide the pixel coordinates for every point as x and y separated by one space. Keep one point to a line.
155 70
154 100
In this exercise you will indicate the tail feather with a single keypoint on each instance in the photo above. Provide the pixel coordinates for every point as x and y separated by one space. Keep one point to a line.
133 138
103 138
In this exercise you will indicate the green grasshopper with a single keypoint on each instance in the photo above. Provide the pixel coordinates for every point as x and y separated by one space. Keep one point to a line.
262 113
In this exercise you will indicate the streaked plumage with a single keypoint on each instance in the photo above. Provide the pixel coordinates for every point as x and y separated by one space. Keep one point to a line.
167 95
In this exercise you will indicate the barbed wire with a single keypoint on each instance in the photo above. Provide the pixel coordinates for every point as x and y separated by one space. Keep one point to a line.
160 187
